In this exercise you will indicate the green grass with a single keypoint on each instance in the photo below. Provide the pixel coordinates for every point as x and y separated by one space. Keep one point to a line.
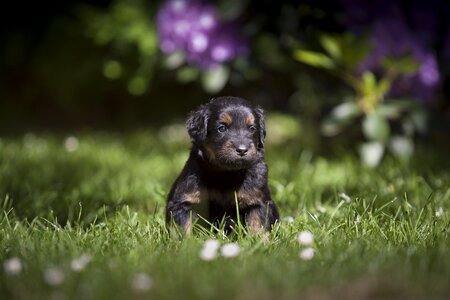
106 200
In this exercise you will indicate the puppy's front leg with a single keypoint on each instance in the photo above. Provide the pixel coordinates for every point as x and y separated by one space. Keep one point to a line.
181 213
184 193
260 218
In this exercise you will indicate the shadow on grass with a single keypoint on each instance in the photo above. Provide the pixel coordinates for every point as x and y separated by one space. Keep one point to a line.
40 178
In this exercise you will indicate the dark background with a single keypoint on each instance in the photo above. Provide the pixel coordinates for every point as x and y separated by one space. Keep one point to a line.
51 78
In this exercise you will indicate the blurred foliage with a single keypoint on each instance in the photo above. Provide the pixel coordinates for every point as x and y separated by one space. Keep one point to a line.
87 177
90 175
128 29
370 102
352 74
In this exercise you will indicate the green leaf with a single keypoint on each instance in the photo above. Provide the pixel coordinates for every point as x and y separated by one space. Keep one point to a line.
376 128
269 47
389 111
354 49
393 108
384 85
419 120
174 60
340 116
112 69
405 65
315 59
371 153
147 42
369 83
402 147
331 45
345 111
214 80
331 127
187 74
137 85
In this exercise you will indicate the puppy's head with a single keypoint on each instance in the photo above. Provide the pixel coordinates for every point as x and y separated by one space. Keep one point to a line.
229 131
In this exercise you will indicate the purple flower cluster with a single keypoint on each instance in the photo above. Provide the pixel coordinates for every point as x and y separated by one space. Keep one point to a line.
393 36
194 28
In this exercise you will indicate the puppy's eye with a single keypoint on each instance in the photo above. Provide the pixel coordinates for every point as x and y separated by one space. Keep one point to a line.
222 128
252 128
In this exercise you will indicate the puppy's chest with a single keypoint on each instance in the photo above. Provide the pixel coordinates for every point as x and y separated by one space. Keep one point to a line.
228 197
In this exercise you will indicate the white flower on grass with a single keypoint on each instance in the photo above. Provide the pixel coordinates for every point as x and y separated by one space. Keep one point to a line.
230 250
345 197
54 276
142 282
305 238
209 250
71 144
358 219
79 264
307 253
12 266
439 212
212 244
288 219
321 209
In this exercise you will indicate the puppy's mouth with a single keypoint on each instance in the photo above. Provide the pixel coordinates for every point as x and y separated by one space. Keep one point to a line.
227 158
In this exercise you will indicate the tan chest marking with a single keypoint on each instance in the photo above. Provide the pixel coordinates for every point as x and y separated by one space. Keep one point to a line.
245 198
250 197
192 197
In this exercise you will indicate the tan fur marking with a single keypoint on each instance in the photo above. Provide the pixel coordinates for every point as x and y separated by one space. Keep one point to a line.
254 222
192 197
189 225
210 152
252 150
247 198
225 150
187 228
250 120
226 119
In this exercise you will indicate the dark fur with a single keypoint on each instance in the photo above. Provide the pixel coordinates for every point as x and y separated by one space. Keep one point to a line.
215 171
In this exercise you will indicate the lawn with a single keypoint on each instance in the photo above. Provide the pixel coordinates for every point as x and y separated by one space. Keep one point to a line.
83 217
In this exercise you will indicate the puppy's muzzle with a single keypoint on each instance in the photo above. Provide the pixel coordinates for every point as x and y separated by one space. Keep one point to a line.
241 150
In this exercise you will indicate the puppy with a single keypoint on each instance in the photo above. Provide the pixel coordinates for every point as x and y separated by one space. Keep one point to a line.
225 166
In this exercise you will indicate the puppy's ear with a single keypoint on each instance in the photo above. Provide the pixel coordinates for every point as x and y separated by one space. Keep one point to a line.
262 126
197 123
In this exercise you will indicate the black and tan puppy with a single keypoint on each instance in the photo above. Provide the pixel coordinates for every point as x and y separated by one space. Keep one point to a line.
226 162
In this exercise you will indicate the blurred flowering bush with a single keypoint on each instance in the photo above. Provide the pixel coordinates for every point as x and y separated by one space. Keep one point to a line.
127 29
195 30
191 31
389 67
193 37
395 34
389 53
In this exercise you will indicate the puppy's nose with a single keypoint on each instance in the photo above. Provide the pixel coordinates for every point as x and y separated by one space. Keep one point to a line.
241 150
